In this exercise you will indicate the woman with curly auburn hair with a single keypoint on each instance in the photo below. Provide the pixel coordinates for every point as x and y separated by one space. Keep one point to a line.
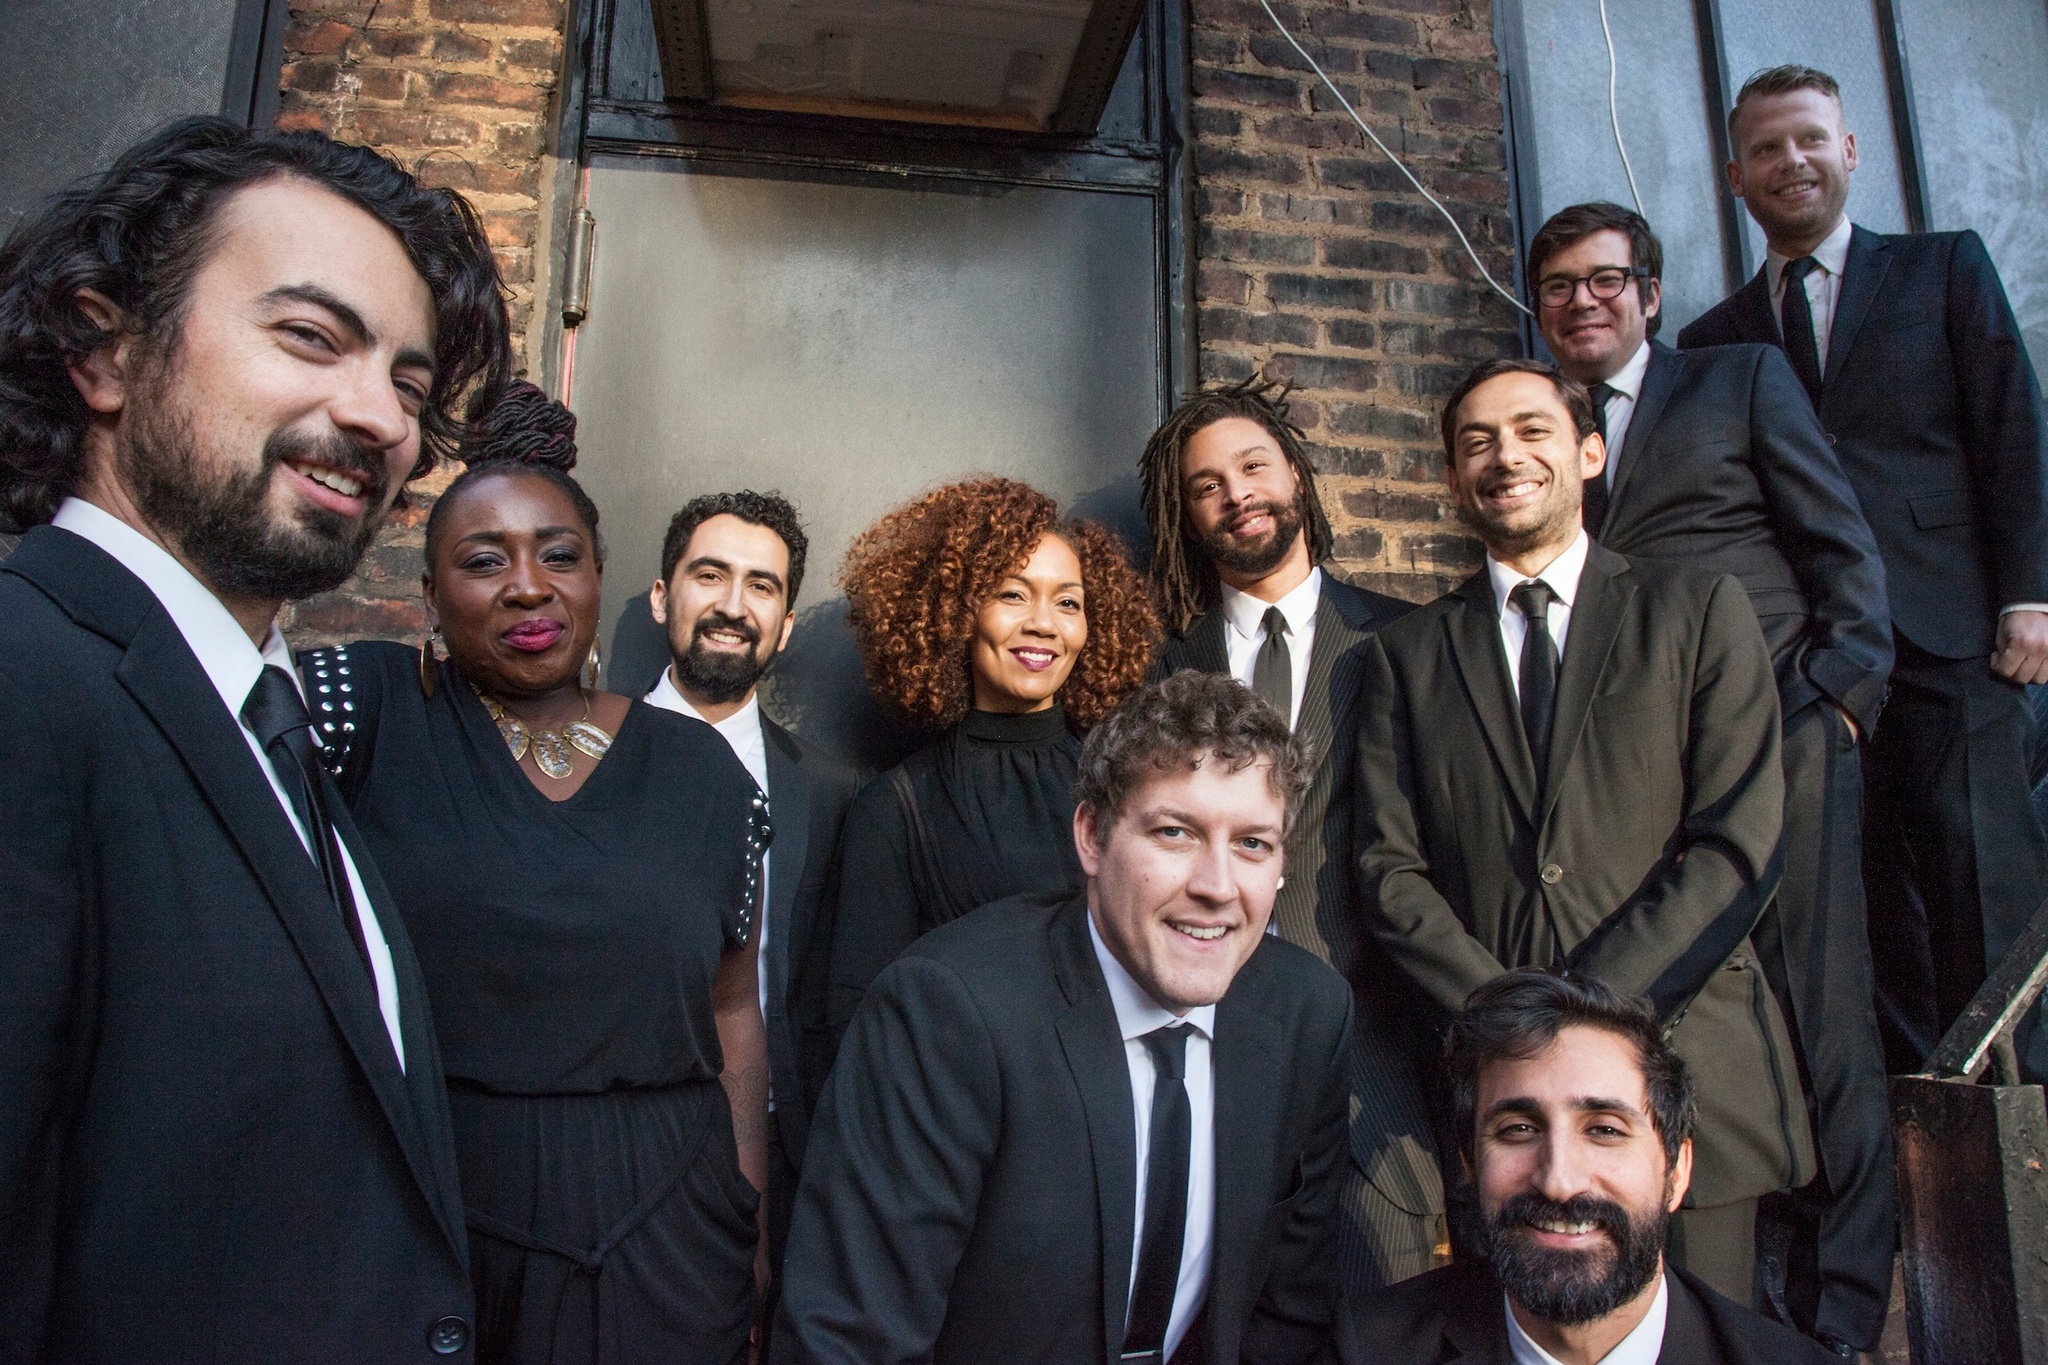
977 609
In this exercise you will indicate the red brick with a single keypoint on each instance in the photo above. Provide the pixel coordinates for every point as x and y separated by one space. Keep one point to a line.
455 46
487 90
317 38
508 13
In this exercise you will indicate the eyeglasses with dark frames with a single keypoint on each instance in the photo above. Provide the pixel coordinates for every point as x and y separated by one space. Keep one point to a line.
1604 283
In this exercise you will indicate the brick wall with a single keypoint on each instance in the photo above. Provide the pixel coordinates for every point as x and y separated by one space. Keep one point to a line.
461 92
1319 264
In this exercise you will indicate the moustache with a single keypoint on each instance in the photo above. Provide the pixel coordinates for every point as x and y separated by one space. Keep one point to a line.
739 626
1530 1208
334 451
1276 510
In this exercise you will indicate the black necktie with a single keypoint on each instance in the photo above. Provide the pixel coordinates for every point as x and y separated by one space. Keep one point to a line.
1795 322
276 714
1539 669
1166 1196
1595 506
1273 670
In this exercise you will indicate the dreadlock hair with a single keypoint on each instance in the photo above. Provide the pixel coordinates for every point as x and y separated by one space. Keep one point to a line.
525 434
1183 577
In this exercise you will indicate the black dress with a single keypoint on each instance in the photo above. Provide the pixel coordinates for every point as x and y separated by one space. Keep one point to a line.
569 950
982 813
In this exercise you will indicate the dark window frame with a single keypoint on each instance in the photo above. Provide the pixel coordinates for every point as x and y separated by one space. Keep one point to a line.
1158 165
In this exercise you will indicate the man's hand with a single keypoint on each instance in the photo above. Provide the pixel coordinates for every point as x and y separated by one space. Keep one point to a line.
2022 654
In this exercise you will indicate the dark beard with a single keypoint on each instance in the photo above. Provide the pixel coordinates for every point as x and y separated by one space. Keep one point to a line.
1558 522
1256 561
721 676
220 519
1567 1287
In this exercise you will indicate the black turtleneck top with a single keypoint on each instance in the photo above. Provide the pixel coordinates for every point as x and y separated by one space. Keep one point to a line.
984 812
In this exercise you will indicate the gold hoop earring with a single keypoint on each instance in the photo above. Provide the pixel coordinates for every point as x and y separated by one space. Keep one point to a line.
427 662
591 668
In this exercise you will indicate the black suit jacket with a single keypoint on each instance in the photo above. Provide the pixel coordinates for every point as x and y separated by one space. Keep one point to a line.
1725 467
1391 1140
1457 1316
971 1187
1935 412
207 1149
809 795
1653 848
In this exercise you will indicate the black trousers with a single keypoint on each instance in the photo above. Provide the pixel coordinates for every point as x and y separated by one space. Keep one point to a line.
1839 1233
1954 859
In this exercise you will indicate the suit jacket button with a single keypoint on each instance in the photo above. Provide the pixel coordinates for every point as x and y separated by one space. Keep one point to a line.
448 1335
1831 438
1552 874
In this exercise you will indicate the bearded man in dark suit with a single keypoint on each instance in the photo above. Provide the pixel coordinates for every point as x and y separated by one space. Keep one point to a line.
1239 550
1573 761
1920 376
225 1135
1714 458
1577 1120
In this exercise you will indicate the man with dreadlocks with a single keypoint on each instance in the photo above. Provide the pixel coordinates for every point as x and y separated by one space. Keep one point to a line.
1238 541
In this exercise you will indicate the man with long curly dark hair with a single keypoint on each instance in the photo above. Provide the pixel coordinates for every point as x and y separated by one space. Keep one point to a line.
225 1135
1239 544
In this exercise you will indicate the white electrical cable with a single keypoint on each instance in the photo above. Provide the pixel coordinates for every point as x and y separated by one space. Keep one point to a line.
1398 165
1614 112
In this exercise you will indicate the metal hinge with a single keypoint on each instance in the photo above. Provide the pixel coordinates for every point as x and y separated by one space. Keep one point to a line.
582 253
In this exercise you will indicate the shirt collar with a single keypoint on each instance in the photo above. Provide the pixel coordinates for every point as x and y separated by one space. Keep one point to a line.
216 639
1628 380
1562 574
1642 1346
1247 613
1137 1013
743 723
1832 254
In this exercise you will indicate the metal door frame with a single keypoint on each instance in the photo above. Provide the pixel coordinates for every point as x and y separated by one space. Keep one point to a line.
897 155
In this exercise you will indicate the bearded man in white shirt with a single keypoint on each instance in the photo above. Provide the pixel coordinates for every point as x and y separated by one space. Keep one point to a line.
732 564
1576 1119
225 1134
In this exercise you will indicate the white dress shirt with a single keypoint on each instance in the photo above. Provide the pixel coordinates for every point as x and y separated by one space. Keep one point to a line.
1627 384
1563 577
1823 286
233 664
741 730
1137 1014
1244 631
1640 1347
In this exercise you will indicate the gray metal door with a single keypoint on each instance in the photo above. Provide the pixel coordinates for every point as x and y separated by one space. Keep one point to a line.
850 344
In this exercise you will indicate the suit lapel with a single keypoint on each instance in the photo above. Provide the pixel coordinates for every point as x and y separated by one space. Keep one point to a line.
1869 259
1688 1336
422 1125
1094 1049
1474 630
160 672
1202 645
1659 380
1248 1067
1754 320
1332 669
789 812
1604 589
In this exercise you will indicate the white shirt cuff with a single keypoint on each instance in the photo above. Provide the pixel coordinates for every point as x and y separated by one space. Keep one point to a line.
2023 606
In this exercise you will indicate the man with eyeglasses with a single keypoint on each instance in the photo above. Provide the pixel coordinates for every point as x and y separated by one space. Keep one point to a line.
1716 459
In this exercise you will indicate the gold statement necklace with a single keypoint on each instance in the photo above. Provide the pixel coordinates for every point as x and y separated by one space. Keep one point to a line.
550 747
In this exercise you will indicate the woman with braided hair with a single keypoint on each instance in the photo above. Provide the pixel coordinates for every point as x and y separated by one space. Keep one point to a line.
978 610
579 874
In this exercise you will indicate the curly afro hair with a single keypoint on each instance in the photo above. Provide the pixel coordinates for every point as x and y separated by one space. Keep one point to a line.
916 579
